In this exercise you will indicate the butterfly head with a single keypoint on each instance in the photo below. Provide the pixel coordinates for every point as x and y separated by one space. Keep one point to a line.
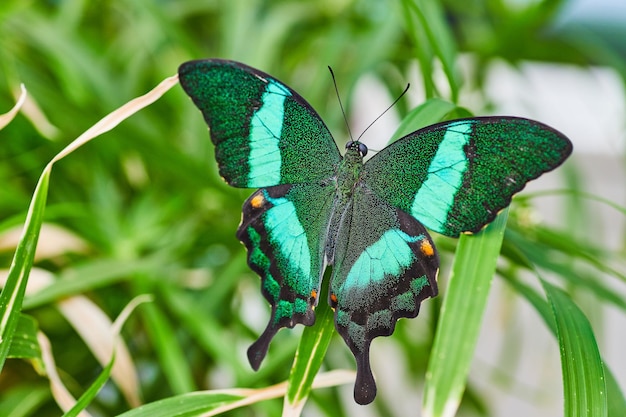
357 146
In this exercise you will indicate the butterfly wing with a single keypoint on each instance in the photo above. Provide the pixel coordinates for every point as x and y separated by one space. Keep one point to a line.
385 265
264 133
456 176
283 230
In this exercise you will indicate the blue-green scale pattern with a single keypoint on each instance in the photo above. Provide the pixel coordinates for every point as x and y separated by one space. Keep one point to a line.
221 89
502 153
285 232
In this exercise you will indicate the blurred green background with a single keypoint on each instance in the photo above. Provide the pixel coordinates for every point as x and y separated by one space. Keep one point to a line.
143 210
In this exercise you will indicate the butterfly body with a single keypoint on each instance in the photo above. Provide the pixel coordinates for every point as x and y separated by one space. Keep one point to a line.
345 182
315 208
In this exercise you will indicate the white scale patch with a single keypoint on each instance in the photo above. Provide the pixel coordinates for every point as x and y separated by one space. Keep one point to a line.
285 230
388 256
445 175
266 128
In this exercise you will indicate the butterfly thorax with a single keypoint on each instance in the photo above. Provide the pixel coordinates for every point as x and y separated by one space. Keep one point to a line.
349 171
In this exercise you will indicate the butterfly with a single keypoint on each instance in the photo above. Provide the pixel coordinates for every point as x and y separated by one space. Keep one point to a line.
368 220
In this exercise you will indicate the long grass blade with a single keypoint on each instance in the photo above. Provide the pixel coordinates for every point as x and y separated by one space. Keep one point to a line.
426 25
584 384
616 403
15 288
212 403
461 317
309 356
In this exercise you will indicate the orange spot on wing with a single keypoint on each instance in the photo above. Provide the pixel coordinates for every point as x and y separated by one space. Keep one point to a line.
257 201
333 301
427 248
314 294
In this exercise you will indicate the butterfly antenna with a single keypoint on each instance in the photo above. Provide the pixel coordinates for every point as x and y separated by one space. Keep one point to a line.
345 119
386 110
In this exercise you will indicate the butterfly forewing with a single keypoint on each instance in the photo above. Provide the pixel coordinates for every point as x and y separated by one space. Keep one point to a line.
265 133
456 176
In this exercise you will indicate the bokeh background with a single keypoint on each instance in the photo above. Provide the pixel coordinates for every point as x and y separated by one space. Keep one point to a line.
142 210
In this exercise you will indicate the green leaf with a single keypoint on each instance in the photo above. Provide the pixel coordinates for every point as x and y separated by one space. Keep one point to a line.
462 311
191 404
24 343
615 397
211 403
432 37
92 391
431 111
584 384
616 402
13 292
546 256
310 354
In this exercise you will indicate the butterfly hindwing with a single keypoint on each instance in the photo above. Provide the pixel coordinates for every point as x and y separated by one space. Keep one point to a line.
264 133
456 176
282 230
385 265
